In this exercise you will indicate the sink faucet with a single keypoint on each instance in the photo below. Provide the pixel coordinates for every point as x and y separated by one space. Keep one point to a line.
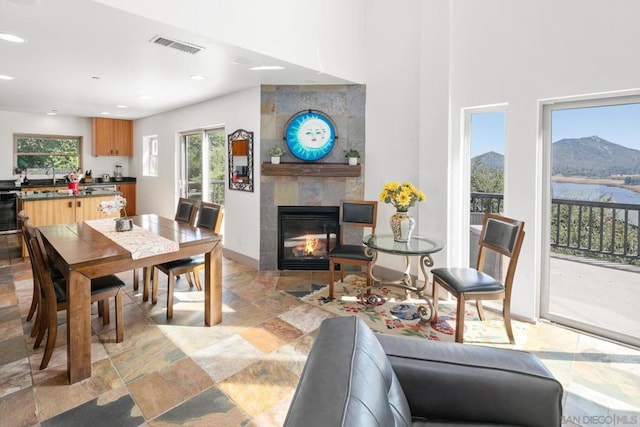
53 173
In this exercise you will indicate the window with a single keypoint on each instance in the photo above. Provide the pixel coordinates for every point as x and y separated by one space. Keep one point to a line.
46 151
150 157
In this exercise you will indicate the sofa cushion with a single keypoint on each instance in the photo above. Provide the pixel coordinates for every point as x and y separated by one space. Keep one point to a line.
348 371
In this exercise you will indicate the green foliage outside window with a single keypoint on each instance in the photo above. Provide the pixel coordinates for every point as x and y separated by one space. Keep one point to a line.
62 153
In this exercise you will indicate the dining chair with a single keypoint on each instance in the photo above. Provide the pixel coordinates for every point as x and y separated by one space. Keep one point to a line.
22 218
210 217
186 211
53 296
502 235
355 214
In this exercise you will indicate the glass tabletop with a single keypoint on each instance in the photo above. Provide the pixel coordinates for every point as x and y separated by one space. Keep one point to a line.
418 245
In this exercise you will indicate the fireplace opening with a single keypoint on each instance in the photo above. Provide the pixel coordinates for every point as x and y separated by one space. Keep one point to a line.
305 235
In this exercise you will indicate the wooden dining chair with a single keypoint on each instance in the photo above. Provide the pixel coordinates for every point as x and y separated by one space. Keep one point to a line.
53 296
502 235
355 214
210 217
186 211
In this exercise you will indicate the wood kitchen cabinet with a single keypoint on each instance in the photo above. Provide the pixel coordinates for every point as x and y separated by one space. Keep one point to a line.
112 137
128 191
63 211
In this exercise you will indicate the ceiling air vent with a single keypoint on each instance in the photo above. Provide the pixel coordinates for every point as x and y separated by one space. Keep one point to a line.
175 44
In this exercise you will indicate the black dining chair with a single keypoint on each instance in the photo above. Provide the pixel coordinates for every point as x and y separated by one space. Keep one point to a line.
186 211
502 235
357 214
53 295
210 217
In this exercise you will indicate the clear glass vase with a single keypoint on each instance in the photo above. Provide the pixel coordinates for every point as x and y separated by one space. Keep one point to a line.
402 225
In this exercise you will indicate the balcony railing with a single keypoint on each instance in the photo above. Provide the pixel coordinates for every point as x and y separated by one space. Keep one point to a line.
580 227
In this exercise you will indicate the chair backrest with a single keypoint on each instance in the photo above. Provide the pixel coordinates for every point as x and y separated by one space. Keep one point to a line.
503 235
186 210
42 274
210 216
358 213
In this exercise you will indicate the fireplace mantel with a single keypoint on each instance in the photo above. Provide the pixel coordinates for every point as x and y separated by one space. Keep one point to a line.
311 169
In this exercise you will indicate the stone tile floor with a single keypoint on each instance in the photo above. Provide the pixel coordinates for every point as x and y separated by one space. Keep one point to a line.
244 371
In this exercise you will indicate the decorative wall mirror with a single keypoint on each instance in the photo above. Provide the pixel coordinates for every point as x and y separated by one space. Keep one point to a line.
241 160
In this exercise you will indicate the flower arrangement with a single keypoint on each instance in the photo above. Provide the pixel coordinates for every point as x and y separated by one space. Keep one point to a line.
118 204
74 176
401 196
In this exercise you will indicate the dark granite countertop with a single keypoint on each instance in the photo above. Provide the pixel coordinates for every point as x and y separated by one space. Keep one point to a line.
8 185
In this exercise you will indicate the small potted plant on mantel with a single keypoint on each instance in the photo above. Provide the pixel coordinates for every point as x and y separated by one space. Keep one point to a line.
276 152
353 156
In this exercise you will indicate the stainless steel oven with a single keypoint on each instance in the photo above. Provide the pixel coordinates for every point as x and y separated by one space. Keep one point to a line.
8 212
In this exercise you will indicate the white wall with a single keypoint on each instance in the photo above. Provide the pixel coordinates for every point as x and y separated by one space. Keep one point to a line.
322 35
160 194
11 122
519 53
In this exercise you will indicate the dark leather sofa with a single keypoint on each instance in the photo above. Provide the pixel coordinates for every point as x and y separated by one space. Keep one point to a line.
354 377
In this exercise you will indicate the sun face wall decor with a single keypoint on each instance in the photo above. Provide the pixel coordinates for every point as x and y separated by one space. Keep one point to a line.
310 135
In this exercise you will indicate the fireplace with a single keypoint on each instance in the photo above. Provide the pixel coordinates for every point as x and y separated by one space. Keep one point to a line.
305 235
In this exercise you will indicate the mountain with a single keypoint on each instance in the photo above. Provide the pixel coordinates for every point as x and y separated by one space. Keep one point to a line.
490 160
593 156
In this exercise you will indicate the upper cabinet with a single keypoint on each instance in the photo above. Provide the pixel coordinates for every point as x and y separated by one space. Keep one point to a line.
112 137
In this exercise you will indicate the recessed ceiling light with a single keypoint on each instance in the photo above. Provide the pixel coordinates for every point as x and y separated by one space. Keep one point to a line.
266 68
105 113
237 60
5 77
52 113
11 38
144 97
122 106
197 77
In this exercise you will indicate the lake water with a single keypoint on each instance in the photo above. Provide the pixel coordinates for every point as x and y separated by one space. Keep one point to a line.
569 190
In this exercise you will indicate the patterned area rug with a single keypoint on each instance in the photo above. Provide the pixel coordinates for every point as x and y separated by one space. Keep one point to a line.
396 314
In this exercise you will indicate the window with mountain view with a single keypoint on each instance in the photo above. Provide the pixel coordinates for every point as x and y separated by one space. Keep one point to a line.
594 217
487 162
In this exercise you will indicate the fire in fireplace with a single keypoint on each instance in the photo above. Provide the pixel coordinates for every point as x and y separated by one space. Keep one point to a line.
305 235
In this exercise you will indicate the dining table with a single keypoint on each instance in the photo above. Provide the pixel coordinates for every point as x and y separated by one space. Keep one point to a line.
86 250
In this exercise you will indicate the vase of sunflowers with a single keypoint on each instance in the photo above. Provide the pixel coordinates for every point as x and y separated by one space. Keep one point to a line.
402 197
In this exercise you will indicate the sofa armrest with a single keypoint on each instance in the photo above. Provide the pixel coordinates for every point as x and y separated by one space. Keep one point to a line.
465 383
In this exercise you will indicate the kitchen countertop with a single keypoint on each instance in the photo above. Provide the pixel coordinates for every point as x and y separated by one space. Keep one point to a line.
28 196
6 185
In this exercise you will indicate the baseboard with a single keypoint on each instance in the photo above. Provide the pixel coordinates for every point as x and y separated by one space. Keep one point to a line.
241 258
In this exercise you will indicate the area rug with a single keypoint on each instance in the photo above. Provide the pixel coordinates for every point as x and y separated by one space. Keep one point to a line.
396 314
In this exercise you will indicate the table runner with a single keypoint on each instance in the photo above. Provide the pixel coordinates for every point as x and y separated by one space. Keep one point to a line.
140 242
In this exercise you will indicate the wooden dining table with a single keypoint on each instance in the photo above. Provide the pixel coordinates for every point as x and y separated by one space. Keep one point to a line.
82 253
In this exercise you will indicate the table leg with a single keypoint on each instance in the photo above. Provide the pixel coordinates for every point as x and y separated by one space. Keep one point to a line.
78 327
213 286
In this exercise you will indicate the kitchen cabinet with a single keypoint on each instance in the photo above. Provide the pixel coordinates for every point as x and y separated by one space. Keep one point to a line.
112 137
128 191
63 211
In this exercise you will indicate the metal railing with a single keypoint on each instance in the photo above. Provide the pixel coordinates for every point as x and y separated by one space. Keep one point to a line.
582 227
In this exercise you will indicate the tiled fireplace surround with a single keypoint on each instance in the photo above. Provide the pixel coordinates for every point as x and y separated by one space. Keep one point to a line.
345 104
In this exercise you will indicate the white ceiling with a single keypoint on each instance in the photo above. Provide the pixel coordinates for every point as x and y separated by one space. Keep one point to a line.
82 58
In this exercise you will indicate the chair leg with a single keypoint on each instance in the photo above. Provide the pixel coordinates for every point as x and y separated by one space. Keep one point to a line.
196 276
189 280
506 314
460 319
146 273
135 279
34 300
154 286
480 309
434 296
42 320
105 311
52 333
331 272
100 309
171 285
119 318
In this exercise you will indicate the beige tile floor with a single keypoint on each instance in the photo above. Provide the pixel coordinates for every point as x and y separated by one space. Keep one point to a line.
242 372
